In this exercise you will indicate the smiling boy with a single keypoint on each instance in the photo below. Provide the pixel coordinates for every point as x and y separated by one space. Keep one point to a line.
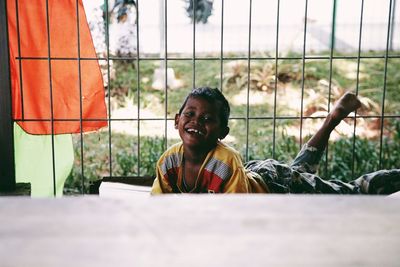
202 163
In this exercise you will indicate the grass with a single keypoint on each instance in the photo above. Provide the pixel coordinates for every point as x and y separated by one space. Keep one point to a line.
125 156
125 148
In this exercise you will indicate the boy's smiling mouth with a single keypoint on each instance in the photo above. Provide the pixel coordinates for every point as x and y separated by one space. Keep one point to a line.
194 131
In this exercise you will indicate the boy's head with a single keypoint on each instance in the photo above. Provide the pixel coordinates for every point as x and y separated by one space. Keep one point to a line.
203 118
212 95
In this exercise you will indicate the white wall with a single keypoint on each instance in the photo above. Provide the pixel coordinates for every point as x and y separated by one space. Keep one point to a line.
263 35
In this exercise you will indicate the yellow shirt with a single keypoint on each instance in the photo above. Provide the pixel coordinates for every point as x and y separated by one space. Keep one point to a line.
221 172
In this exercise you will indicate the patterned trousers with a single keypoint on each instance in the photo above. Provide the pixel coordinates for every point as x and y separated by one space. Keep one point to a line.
300 177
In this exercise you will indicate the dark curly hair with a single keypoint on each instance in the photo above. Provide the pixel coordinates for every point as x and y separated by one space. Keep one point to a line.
212 95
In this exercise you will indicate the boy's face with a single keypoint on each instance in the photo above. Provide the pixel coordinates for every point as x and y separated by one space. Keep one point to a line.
199 124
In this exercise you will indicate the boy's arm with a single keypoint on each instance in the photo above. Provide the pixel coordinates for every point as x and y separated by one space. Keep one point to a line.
156 188
160 185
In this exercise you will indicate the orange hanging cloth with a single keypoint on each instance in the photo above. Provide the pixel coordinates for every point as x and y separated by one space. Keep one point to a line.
33 104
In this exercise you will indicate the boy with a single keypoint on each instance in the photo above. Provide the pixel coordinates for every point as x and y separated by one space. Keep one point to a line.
201 163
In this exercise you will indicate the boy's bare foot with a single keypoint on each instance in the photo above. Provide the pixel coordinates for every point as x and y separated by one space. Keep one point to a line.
346 104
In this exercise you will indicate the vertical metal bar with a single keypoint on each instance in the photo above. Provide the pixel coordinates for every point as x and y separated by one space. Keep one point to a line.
393 25
221 77
80 96
138 85
248 84
333 32
20 61
107 32
194 44
166 73
51 96
357 88
7 171
332 48
384 86
303 73
276 76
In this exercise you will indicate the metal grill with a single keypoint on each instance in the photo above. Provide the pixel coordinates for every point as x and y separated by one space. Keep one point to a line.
247 119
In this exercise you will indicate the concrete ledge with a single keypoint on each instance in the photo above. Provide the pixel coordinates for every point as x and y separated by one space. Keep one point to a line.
201 230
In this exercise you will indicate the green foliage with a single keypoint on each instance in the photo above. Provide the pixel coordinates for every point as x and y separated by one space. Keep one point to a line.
124 84
340 154
375 79
124 148
120 9
366 157
340 158
286 149
202 10
125 159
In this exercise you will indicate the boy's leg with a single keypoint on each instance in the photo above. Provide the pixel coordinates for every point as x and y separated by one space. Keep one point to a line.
382 182
346 104
308 158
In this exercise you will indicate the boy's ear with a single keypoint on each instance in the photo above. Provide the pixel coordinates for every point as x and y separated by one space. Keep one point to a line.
176 120
224 133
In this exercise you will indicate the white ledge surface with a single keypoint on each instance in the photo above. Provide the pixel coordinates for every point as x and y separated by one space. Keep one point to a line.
200 230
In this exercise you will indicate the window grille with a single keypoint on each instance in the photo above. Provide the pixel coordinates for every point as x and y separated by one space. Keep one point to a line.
292 38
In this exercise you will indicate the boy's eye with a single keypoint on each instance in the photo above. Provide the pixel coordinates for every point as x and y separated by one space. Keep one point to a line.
189 114
208 118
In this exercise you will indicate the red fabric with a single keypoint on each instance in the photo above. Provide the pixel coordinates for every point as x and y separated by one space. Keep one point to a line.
36 100
212 182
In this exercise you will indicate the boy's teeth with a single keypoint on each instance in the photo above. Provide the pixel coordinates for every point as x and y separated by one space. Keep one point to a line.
195 131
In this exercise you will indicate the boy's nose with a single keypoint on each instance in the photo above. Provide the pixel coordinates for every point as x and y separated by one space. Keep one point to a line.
198 120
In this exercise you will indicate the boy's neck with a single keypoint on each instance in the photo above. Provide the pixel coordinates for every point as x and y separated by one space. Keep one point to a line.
196 155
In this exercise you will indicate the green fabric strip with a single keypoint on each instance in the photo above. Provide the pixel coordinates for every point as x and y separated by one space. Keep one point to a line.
34 161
